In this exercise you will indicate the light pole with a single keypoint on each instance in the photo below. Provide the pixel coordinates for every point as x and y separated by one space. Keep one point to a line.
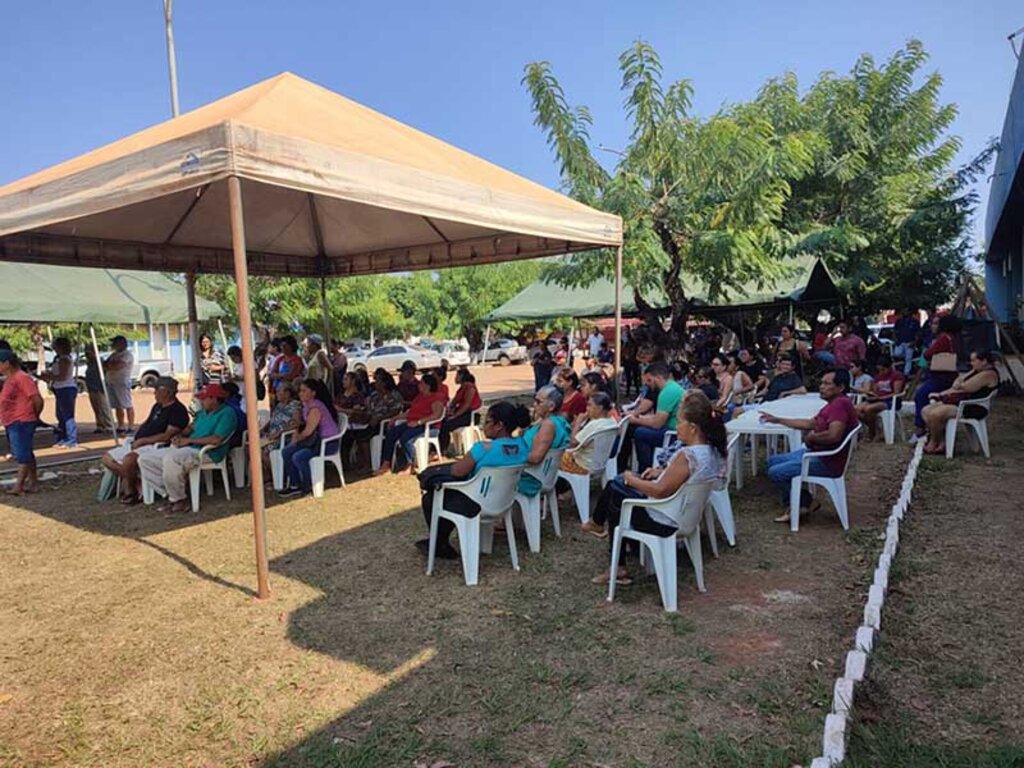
172 65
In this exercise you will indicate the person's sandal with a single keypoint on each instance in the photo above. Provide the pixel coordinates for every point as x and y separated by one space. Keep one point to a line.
602 579
594 529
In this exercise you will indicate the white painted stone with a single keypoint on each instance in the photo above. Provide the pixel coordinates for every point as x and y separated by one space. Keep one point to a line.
865 639
856 663
834 743
876 594
842 696
821 762
892 535
872 616
885 560
881 578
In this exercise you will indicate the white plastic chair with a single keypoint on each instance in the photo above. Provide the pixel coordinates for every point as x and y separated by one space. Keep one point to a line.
836 486
239 460
377 444
611 467
466 437
686 506
318 464
891 419
208 466
531 506
980 426
494 489
277 460
719 503
430 439
602 442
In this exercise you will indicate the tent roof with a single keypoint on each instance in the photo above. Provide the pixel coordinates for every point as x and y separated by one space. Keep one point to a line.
329 187
807 280
43 293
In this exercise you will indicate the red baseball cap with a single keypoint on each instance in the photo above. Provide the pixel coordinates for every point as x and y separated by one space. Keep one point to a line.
213 390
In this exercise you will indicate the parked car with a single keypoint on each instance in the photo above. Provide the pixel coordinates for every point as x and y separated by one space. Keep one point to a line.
391 357
505 352
452 353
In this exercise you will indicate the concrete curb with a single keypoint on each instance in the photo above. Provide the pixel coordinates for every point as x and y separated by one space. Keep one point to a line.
835 736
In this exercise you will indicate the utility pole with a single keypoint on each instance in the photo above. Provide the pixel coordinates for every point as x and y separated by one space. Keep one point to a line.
172 64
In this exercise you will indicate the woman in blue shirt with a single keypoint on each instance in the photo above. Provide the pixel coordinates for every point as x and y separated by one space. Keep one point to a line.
499 449
550 432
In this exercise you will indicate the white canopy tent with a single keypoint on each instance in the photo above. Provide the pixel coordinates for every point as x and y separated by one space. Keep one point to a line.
330 188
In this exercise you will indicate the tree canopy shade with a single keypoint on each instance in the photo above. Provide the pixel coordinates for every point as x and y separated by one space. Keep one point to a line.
805 281
331 188
43 293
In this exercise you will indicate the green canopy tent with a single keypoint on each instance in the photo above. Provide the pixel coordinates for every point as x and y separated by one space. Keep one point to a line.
46 293
807 282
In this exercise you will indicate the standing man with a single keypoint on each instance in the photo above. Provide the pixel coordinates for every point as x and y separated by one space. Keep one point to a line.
651 428
97 398
118 368
20 406
167 470
905 329
543 365
594 342
167 418
827 430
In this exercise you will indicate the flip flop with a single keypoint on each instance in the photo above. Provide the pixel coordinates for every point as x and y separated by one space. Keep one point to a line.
604 578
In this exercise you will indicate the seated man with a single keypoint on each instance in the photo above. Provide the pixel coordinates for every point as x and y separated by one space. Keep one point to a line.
786 381
826 431
167 470
652 428
167 418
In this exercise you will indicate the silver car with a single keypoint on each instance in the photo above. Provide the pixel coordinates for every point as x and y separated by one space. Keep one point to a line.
505 352
391 357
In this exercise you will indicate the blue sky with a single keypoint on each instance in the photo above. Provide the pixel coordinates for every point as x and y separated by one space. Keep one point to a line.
77 75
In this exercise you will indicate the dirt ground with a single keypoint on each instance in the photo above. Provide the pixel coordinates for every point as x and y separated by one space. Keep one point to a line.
132 639
946 687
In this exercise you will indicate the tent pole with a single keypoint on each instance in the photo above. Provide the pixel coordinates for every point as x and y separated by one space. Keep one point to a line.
249 371
791 313
223 340
181 347
193 330
327 314
618 315
103 382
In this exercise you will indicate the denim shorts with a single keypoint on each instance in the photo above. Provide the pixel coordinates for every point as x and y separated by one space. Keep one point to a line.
20 435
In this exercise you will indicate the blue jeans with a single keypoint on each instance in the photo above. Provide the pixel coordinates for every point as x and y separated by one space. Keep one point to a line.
929 383
783 467
904 352
645 440
67 428
406 437
825 356
296 464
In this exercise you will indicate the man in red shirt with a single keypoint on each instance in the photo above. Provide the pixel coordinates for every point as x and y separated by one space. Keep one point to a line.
20 406
825 431
847 347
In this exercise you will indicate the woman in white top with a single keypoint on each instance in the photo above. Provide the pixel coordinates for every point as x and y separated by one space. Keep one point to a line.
720 366
741 382
580 458
61 377
702 459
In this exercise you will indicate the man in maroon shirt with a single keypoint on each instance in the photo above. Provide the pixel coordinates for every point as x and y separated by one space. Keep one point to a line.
825 431
847 347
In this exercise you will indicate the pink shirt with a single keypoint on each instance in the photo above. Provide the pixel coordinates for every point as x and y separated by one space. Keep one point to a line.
848 348
327 427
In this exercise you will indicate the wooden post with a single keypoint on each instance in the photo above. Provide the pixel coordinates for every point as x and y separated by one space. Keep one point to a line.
193 330
249 371
618 315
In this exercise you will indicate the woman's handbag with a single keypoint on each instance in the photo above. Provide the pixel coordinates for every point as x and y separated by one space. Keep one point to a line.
943 362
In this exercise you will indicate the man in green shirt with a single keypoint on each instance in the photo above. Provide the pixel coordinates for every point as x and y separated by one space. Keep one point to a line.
167 469
651 428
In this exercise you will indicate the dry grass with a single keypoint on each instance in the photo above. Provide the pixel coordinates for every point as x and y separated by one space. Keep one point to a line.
133 640
946 685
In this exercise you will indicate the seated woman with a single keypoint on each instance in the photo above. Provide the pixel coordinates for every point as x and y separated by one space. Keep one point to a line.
887 384
860 379
592 384
498 449
581 460
351 401
573 401
320 421
284 416
720 368
549 432
741 381
460 409
428 405
981 381
701 458
383 403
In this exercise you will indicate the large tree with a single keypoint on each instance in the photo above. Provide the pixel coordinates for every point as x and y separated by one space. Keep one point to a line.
883 204
699 198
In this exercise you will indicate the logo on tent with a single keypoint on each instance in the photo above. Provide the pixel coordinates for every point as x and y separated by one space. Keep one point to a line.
190 164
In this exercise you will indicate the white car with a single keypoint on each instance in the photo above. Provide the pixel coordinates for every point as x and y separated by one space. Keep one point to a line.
392 357
505 352
452 353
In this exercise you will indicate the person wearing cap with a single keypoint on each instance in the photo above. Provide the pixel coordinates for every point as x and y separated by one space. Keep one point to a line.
167 418
167 470
318 362
118 369
408 387
20 406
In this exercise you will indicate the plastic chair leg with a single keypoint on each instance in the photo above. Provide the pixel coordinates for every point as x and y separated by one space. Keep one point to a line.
530 507
613 566
469 543
193 481
888 427
277 469
580 485
794 503
552 500
693 548
510 533
316 470
227 483
432 549
837 490
665 568
238 466
709 523
981 428
951 426
722 505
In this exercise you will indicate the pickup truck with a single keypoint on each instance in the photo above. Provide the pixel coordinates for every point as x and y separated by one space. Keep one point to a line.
505 352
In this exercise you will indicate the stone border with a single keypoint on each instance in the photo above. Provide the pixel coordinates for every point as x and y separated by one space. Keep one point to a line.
837 722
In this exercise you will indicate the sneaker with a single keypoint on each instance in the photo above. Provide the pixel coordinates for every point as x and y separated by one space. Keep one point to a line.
289 492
